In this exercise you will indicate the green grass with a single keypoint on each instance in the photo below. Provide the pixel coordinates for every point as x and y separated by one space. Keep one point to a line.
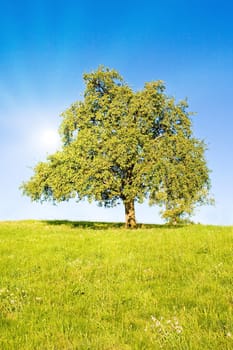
83 286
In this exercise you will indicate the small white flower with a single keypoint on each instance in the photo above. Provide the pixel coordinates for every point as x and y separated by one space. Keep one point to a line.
39 299
179 330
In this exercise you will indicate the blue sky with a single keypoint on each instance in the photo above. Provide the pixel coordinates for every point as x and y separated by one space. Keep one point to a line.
46 46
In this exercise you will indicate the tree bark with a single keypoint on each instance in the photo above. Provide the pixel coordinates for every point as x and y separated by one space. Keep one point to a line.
130 221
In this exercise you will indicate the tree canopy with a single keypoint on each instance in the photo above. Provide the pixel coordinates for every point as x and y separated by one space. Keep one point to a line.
120 145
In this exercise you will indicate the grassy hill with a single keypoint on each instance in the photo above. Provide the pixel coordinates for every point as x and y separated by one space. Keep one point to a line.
67 285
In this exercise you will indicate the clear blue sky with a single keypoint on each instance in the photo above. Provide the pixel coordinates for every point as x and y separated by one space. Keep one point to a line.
45 46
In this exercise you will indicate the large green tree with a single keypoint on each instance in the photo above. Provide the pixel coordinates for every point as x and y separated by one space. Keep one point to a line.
125 146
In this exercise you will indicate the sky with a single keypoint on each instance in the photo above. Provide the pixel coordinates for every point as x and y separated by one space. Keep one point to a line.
47 45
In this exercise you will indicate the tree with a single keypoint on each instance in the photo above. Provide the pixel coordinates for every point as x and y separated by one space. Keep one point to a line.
125 146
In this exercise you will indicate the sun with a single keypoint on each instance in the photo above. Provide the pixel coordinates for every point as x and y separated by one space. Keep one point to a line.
49 139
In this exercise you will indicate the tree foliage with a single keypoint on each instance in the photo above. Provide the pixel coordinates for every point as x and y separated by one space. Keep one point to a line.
125 146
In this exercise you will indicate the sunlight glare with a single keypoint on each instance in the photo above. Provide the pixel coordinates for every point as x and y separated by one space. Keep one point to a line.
49 139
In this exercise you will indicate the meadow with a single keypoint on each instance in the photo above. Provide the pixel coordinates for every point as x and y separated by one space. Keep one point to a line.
73 285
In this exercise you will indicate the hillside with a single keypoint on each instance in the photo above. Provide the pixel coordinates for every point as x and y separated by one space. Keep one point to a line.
67 285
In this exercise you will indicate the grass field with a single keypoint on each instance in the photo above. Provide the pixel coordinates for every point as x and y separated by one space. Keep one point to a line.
83 286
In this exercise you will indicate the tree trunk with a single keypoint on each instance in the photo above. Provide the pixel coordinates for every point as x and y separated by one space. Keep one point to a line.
130 221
